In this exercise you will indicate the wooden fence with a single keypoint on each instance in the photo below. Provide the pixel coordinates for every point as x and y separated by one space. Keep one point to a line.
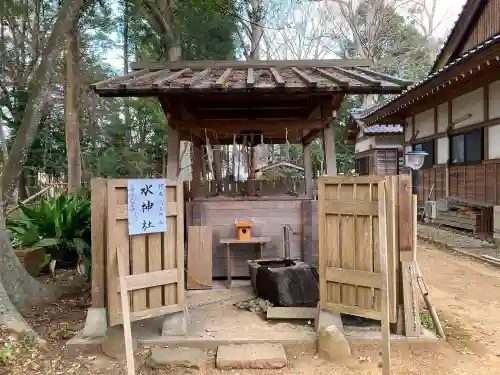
349 248
156 260
245 188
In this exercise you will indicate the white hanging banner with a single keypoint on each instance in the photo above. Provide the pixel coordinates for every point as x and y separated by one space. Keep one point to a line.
146 206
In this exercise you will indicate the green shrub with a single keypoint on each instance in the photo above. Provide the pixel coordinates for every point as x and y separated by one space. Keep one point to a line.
59 225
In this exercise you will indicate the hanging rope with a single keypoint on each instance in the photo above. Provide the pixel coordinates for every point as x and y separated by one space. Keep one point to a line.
287 146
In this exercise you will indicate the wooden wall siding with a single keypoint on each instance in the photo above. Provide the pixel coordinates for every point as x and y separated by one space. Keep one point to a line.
432 183
486 26
478 182
250 187
348 230
386 162
470 182
269 218
145 254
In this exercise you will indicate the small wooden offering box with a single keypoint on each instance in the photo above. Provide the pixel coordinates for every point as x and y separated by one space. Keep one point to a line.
244 229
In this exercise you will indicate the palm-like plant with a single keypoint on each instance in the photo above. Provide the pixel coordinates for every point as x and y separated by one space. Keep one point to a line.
61 226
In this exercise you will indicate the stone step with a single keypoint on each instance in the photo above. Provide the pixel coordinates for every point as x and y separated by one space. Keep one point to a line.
251 356
181 359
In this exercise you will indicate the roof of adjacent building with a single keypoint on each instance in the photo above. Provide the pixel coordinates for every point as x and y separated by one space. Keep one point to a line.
448 58
364 113
342 75
384 129
465 20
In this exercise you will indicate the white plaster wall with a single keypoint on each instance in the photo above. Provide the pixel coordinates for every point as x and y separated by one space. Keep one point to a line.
408 129
364 144
424 123
443 150
442 117
493 142
389 141
470 103
494 100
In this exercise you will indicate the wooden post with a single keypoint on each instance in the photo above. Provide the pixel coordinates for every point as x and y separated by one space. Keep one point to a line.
196 177
405 218
308 175
414 226
329 151
384 271
173 154
307 232
125 301
98 232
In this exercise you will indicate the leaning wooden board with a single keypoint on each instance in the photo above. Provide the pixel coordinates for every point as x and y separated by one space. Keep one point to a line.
199 267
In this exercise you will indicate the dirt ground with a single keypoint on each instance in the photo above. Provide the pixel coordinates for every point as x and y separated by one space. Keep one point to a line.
466 294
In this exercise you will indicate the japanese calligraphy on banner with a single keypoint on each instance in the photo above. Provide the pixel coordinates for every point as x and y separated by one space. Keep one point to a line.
146 206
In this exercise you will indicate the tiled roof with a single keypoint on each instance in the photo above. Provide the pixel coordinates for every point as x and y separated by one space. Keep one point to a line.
375 129
341 75
363 113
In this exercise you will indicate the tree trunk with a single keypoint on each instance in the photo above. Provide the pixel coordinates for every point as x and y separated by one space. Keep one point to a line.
17 287
21 186
5 151
22 289
72 126
10 316
38 97
126 112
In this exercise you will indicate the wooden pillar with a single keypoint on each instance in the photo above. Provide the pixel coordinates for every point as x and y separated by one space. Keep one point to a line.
98 227
173 154
184 173
308 175
196 177
329 150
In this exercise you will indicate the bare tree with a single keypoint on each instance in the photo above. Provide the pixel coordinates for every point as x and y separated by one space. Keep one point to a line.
292 36
423 14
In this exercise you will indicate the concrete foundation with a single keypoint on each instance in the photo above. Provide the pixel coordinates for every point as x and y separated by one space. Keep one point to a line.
96 323
332 343
113 345
175 324
325 318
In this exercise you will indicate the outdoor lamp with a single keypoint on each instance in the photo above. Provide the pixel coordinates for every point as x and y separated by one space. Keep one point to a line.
415 159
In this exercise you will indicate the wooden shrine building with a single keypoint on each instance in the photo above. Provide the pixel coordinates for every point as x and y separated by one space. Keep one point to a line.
247 104
378 148
454 114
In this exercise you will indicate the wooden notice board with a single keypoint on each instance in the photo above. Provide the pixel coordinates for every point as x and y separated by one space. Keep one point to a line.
199 268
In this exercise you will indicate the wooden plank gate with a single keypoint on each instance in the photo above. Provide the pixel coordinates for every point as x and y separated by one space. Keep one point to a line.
154 263
349 248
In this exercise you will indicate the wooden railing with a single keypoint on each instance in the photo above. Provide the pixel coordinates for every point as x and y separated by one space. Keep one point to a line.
250 188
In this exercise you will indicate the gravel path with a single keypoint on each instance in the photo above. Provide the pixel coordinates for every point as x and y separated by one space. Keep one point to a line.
456 240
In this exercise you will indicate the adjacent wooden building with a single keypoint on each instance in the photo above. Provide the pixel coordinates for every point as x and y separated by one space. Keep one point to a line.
378 148
454 113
